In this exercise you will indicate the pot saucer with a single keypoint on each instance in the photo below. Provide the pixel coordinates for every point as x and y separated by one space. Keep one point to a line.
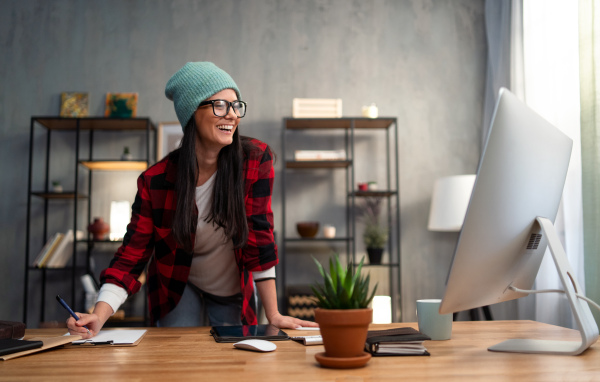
343 363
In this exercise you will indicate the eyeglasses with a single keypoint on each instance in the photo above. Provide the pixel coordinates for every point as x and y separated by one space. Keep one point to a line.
221 107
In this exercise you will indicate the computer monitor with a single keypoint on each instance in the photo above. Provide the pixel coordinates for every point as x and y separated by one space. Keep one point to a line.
509 223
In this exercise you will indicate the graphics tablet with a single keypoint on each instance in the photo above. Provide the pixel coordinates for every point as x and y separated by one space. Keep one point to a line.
246 332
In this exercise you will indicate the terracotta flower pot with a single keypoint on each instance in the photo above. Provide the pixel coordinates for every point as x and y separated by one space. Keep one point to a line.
344 331
99 228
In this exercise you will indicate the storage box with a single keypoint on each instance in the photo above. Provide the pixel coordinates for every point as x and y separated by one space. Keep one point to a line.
317 108
11 329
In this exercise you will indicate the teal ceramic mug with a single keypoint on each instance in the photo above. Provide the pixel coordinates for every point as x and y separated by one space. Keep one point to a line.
437 326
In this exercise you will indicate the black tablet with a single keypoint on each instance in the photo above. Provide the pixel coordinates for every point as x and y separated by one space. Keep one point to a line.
246 332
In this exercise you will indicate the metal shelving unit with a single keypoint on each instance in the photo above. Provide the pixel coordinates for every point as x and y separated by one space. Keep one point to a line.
76 196
391 195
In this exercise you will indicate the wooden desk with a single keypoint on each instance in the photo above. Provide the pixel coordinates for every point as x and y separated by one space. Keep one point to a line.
181 354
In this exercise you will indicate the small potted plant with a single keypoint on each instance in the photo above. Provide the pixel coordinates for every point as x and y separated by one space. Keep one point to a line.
375 235
343 314
126 154
56 186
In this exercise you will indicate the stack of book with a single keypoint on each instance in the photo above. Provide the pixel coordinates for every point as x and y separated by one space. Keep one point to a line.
317 155
399 341
56 252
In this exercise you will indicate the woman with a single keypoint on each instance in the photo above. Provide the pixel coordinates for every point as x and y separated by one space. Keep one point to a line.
201 220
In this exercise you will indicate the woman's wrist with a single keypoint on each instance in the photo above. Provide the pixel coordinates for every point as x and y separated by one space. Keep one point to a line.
103 311
272 316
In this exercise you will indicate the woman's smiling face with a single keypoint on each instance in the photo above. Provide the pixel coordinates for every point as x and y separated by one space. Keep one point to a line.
214 132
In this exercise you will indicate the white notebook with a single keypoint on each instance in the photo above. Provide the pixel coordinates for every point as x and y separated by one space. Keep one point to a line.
114 337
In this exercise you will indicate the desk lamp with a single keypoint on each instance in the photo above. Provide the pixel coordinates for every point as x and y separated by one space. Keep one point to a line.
449 204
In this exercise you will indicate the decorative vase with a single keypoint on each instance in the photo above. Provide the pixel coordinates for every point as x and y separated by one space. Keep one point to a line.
344 333
99 228
375 255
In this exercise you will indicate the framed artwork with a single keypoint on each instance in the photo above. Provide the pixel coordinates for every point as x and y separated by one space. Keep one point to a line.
169 138
121 105
74 104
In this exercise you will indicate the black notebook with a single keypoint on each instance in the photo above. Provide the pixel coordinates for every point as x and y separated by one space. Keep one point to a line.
11 345
396 342
246 332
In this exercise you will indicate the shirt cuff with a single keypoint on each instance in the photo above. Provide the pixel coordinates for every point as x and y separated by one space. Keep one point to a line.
113 295
263 275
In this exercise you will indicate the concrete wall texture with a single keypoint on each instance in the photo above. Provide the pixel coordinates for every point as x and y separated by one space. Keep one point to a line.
420 61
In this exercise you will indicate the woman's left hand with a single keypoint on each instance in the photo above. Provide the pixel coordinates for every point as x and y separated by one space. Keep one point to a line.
287 322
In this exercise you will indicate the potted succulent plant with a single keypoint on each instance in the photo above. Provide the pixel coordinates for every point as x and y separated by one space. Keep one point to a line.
375 235
126 154
56 186
343 314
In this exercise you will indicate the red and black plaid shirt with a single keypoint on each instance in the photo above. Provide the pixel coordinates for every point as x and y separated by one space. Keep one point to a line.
149 232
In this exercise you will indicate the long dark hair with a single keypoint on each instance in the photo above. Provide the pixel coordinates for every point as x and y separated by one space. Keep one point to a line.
227 208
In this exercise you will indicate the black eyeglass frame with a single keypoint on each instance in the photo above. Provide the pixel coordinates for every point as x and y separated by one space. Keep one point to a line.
229 106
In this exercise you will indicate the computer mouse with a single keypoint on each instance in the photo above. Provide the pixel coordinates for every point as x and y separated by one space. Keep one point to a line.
256 345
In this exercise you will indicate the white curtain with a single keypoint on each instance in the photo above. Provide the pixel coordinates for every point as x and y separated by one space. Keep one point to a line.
533 50
550 86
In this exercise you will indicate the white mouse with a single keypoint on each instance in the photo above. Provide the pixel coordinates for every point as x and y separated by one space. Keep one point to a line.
255 345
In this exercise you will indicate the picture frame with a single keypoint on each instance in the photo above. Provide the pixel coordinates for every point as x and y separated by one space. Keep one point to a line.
74 104
168 139
121 105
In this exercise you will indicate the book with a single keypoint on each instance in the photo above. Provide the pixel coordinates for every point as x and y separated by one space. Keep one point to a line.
308 340
396 342
308 155
63 252
47 250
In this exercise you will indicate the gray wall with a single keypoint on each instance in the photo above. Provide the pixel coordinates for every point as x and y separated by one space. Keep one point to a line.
420 61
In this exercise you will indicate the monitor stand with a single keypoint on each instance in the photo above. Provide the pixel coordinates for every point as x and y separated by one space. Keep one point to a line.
581 311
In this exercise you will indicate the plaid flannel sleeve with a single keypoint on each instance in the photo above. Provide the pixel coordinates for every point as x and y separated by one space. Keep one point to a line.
260 252
133 255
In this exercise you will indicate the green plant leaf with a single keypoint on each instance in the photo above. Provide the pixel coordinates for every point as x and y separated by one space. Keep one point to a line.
342 287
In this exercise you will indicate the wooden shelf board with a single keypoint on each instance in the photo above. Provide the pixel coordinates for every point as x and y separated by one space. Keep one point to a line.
115 165
318 164
94 123
315 239
113 320
100 241
378 193
338 123
66 267
366 264
58 195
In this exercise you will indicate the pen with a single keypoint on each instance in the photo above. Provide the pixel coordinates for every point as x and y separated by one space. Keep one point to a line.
68 308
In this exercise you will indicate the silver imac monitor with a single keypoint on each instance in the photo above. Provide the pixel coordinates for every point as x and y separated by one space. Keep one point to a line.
509 223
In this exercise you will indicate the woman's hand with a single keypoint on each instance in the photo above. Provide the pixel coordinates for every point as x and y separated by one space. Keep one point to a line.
92 321
268 296
287 322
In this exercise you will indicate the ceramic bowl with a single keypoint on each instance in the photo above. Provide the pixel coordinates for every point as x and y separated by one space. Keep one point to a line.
307 229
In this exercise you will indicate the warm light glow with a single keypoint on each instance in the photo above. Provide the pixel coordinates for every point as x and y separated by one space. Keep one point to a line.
382 310
119 218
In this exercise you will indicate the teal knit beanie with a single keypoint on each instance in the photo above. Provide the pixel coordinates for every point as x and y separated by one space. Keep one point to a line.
194 83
